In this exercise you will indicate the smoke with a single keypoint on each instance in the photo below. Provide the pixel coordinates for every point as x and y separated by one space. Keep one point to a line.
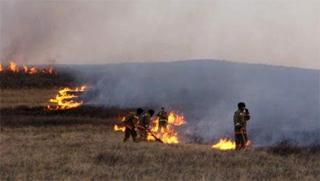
284 102
103 31
27 31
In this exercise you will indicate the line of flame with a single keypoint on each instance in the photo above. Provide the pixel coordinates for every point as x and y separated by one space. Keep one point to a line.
13 67
65 100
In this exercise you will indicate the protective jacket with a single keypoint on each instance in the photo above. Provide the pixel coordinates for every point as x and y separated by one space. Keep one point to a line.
131 120
163 116
145 119
240 118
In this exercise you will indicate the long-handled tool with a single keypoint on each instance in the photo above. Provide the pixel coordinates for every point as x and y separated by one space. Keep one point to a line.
151 133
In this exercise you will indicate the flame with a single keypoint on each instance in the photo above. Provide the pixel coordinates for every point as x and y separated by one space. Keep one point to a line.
13 67
175 119
33 70
48 70
25 68
65 99
248 144
225 144
168 135
119 128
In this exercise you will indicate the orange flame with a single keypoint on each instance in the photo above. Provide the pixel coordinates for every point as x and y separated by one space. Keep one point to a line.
119 128
168 135
25 68
65 99
13 67
175 119
33 70
225 144
48 70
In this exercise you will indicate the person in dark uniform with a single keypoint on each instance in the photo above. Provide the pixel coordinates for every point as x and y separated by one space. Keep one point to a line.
130 123
240 118
144 124
163 119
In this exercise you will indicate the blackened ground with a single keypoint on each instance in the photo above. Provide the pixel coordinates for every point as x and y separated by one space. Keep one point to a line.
286 148
9 80
23 116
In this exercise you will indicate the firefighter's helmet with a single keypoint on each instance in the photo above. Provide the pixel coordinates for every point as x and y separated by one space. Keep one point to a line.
241 105
139 111
151 112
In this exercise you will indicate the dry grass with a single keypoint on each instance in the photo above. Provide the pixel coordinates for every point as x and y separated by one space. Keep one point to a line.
81 145
26 97
95 152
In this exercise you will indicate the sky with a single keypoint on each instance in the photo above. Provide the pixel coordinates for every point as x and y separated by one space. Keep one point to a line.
277 32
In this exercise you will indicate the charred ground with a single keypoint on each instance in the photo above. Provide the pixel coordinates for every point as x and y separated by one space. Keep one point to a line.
41 80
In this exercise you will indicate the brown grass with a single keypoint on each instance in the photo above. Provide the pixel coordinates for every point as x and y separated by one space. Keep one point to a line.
96 152
26 97
88 149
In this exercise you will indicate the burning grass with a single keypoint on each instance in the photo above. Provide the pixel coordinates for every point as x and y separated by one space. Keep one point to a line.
224 144
67 98
168 135
13 76
12 67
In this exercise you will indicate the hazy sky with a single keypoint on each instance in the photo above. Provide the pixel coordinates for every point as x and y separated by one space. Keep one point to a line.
281 32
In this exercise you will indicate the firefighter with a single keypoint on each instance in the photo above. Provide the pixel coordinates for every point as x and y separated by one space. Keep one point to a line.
144 124
240 118
130 123
163 119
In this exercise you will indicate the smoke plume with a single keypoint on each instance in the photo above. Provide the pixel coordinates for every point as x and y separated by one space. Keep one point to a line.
284 102
111 31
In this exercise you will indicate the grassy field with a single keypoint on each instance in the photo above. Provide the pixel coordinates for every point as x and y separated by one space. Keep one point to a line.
88 149
86 152
25 97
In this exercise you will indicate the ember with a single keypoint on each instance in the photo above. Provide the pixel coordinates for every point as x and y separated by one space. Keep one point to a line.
14 68
67 98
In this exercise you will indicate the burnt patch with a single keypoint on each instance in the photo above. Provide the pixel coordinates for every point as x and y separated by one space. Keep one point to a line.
285 148
39 116
41 80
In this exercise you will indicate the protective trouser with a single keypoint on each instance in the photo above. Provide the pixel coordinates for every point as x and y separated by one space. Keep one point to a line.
130 132
241 137
163 124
